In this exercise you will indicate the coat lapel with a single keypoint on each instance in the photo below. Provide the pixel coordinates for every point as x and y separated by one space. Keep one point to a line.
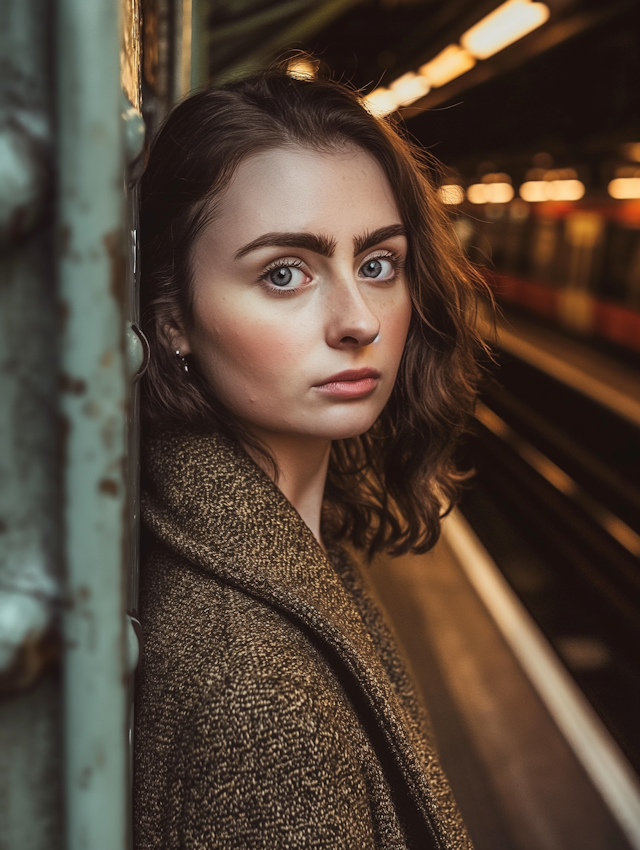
210 503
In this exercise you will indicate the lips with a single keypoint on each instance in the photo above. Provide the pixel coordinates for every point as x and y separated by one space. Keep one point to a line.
352 383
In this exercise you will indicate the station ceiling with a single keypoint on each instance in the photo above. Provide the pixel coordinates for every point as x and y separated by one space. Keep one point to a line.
572 85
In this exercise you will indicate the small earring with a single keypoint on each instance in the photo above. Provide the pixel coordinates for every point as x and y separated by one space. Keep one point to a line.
182 361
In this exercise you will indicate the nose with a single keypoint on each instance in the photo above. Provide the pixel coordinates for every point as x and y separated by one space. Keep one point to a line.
350 323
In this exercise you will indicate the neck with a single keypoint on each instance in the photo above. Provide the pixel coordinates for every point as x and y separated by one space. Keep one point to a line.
302 472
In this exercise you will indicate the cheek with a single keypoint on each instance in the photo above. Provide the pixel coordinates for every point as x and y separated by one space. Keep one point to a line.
239 348
394 325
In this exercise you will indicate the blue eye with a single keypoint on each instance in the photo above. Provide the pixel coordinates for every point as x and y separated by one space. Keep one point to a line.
378 268
286 277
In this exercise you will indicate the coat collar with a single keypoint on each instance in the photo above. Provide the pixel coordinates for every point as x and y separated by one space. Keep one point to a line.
210 503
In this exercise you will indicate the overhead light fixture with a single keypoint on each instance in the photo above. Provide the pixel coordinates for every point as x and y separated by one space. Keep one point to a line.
506 24
490 193
625 188
381 101
450 63
302 69
409 88
567 190
502 27
451 193
536 191
402 92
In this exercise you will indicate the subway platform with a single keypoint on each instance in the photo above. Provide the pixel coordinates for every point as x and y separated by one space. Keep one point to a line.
531 764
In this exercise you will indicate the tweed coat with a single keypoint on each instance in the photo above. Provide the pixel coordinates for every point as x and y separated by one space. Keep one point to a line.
273 709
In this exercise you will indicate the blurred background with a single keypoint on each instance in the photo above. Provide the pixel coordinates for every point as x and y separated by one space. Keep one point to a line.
523 625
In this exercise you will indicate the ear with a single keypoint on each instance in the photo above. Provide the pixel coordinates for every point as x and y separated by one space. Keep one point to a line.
176 337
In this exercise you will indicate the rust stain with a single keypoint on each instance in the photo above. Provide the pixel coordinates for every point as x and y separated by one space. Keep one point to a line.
34 656
91 409
73 386
113 244
107 359
108 486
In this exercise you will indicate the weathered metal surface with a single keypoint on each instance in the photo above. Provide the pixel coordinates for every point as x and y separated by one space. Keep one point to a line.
29 587
133 128
23 179
30 787
24 116
137 352
94 383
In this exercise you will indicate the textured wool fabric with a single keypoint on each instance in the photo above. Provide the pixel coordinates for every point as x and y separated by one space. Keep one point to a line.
273 709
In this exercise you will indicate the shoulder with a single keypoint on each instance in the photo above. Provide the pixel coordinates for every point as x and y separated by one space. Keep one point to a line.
218 642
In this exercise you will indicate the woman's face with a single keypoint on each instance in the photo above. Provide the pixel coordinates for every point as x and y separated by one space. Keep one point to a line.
301 309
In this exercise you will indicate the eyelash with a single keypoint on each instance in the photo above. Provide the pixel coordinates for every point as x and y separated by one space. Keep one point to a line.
396 259
384 254
279 264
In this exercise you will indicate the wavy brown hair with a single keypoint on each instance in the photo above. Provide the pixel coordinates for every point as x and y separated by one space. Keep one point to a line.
388 488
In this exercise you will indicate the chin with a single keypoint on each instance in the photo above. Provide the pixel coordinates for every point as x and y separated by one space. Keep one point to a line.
351 426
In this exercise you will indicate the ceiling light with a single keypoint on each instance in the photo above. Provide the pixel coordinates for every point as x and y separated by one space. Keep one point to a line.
451 193
566 190
409 87
623 188
490 193
452 62
381 101
303 69
499 193
536 191
506 24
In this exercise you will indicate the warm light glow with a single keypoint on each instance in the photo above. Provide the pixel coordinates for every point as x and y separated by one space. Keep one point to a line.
552 190
506 24
302 69
381 101
450 193
403 91
534 191
567 190
623 188
409 87
452 62
490 193
632 151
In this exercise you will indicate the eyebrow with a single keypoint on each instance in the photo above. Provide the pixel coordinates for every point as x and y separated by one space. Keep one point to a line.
319 243
363 243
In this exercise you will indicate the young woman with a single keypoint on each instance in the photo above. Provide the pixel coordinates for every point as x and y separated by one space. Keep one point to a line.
312 366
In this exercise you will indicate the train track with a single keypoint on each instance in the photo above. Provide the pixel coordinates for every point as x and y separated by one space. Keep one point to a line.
556 502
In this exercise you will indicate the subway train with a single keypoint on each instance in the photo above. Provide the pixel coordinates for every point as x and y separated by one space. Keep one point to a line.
576 263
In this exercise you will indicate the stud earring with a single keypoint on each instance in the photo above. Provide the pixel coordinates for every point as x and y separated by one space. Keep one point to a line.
182 361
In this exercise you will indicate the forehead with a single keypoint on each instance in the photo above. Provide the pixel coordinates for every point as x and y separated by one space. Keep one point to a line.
339 193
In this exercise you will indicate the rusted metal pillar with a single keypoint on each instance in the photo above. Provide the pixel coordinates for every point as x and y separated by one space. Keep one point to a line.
94 386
